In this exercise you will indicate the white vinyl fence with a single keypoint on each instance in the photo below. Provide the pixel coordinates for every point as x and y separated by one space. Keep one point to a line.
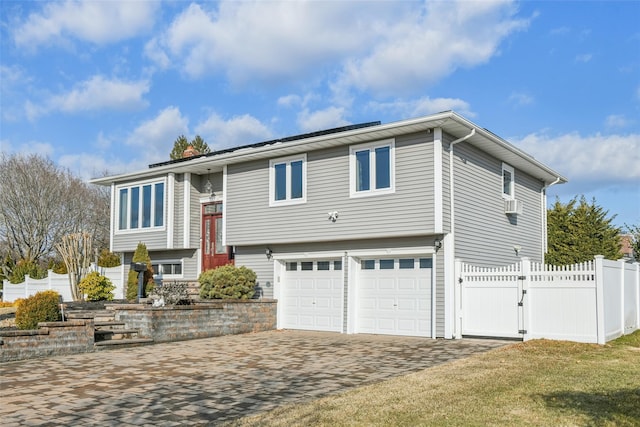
593 302
60 284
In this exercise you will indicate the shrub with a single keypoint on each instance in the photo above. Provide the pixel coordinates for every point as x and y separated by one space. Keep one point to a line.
140 255
24 267
41 307
173 293
96 287
108 259
58 267
227 282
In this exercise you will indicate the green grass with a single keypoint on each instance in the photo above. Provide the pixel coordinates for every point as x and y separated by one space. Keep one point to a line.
537 383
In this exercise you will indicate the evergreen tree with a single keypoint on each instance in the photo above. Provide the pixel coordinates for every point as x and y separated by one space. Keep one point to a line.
181 144
140 255
578 230
634 230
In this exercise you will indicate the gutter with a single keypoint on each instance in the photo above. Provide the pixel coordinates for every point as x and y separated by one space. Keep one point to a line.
543 197
451 295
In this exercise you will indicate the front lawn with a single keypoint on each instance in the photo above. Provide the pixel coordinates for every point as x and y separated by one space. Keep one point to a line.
535 383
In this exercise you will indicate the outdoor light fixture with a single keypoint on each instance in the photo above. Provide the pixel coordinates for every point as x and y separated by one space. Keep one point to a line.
333 216
268 253
517 249
437 243
208 187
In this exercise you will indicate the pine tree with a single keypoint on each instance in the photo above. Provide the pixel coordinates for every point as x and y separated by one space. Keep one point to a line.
181 144
578 230
140 255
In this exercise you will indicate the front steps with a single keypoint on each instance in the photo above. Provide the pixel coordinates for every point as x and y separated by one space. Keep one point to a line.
108 332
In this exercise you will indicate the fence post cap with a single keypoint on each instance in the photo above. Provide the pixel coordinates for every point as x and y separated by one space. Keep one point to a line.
599 256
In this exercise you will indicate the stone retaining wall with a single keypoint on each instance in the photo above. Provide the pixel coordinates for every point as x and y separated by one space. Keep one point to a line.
200 320
50 339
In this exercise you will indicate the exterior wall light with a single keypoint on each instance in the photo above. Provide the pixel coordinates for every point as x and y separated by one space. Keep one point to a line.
268 252
437 243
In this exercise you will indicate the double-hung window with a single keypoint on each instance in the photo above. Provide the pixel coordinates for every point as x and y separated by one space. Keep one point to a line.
372 168
288 180
141 206
508 182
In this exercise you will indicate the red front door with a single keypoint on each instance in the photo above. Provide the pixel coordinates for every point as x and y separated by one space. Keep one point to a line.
214 253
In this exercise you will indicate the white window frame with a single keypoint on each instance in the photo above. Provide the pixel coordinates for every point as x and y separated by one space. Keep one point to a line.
272 180
512 185
140 185
371 147
166 262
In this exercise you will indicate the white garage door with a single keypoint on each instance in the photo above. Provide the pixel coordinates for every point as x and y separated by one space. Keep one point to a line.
312 296
394 296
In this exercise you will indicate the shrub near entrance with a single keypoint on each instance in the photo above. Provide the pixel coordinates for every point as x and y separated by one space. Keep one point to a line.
227 282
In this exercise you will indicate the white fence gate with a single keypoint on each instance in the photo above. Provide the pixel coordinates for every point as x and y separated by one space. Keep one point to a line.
595 301
60 284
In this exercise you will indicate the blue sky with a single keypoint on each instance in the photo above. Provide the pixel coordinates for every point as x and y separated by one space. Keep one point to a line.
108 86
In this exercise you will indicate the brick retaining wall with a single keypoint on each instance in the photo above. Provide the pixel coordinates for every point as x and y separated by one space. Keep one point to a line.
200 320
50 339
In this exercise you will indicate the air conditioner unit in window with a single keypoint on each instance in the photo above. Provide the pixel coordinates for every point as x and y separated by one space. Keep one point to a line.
513 207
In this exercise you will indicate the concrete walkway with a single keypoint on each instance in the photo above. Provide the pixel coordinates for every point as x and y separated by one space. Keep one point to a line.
208 381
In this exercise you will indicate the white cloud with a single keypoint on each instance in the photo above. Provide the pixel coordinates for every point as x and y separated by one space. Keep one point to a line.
423 106
289 100
585 57
154 138
383 47
97 93
98 22
87 166
617 121
520 99
237 131
597 159
32 147
430 44
330 117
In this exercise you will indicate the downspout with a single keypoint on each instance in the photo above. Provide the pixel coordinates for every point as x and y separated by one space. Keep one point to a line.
450 259
543 196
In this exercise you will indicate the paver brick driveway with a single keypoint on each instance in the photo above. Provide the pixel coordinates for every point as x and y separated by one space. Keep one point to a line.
208 381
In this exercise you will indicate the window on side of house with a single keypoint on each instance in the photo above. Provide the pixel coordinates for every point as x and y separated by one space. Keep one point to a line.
508 182
372 168
141 206
167 268
288 180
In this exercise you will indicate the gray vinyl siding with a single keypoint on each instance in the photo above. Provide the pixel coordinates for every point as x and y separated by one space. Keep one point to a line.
195 210
408 211
255 259
446 182
484 234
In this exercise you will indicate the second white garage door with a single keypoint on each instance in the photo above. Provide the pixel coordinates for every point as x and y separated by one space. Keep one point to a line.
394 296
312 296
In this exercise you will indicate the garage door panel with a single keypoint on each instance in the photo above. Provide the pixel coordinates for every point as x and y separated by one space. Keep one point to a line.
394 301
312 299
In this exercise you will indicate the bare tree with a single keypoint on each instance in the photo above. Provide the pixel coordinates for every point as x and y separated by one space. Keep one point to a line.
76 252
41 202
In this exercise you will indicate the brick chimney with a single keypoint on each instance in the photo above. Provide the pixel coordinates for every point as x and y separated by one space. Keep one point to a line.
190 152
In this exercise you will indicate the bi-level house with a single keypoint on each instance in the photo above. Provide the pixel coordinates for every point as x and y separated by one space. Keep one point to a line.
352 230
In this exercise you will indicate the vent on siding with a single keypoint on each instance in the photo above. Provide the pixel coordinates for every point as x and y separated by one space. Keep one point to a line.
513 207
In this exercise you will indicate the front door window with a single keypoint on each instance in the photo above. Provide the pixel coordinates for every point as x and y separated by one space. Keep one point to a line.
214 253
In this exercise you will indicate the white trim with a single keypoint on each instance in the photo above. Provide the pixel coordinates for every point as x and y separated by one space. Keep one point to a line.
512 184
307 255
449 286
278 269
434 292
376 253
114 213
272 179
371 146
171 178
437 181
186 199
224 205
140 185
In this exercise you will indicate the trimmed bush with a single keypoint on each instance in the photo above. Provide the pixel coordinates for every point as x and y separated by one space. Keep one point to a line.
108 259
24 267
227 282
42 307
96 287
